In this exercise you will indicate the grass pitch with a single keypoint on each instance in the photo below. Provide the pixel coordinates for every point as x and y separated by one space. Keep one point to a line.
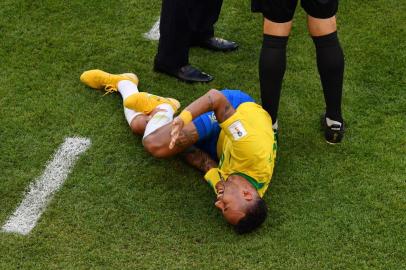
331 207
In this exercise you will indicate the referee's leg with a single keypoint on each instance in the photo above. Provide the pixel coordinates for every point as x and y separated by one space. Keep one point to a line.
173 48
203 17
330 63
272 64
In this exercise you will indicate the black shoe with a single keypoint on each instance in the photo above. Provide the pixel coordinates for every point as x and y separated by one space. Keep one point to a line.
187 74
333 130
218 44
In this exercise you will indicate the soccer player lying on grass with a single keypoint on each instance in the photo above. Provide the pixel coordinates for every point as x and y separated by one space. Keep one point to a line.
223 133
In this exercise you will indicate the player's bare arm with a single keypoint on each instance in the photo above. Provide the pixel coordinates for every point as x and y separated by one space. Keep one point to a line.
187 137
213 100
157 144
198 159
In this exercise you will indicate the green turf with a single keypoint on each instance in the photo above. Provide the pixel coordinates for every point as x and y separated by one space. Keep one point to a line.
331 207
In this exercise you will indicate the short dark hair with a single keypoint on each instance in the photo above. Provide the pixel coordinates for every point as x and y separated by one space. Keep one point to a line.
254 217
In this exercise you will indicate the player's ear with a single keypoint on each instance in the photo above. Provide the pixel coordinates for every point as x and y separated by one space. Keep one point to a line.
247 195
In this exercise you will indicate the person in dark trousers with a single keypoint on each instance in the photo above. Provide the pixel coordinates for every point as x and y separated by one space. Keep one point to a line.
321 22
184 24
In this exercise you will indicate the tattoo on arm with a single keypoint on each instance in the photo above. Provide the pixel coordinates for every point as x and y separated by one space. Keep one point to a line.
211 103
199 159
186 138
227 111
224 112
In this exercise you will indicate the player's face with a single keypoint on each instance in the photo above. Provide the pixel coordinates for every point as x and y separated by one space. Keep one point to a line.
230 201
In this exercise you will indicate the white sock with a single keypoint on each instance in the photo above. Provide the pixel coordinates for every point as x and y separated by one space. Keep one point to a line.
130 115
275 126
331 122
126 89
160 119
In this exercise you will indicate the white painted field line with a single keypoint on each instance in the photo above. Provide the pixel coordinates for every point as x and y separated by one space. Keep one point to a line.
40 192
153 34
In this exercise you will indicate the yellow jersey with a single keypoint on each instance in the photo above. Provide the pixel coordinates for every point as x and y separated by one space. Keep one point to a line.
246 146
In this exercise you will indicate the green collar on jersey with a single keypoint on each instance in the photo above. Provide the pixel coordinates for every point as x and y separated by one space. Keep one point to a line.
253 182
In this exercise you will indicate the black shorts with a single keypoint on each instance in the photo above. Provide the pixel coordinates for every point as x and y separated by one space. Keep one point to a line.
281 11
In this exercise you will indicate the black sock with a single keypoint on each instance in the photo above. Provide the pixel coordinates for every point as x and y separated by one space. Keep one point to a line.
272 65
330 63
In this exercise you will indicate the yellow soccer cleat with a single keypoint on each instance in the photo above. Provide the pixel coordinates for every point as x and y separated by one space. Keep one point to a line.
99 79
146 103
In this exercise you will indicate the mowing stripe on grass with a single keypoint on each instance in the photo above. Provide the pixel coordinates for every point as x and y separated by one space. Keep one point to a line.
153 34
25 217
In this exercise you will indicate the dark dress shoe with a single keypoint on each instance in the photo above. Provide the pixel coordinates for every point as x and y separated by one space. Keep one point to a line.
187 74
191 74
218 44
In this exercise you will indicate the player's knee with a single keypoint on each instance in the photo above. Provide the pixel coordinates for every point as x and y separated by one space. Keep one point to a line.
138 124
321 27
155 147
277 29
150 144
136 129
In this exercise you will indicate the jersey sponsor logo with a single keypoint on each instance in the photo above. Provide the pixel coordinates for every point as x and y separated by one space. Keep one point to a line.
213 118
237 130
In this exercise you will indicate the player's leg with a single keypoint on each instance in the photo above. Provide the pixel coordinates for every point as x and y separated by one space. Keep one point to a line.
320 27
138 123
173 46
172 57
155 124
137 105
136 120
330 62
203 15
126 84
278 15
145 113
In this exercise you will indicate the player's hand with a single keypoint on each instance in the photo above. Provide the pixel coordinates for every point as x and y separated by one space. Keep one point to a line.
177 125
